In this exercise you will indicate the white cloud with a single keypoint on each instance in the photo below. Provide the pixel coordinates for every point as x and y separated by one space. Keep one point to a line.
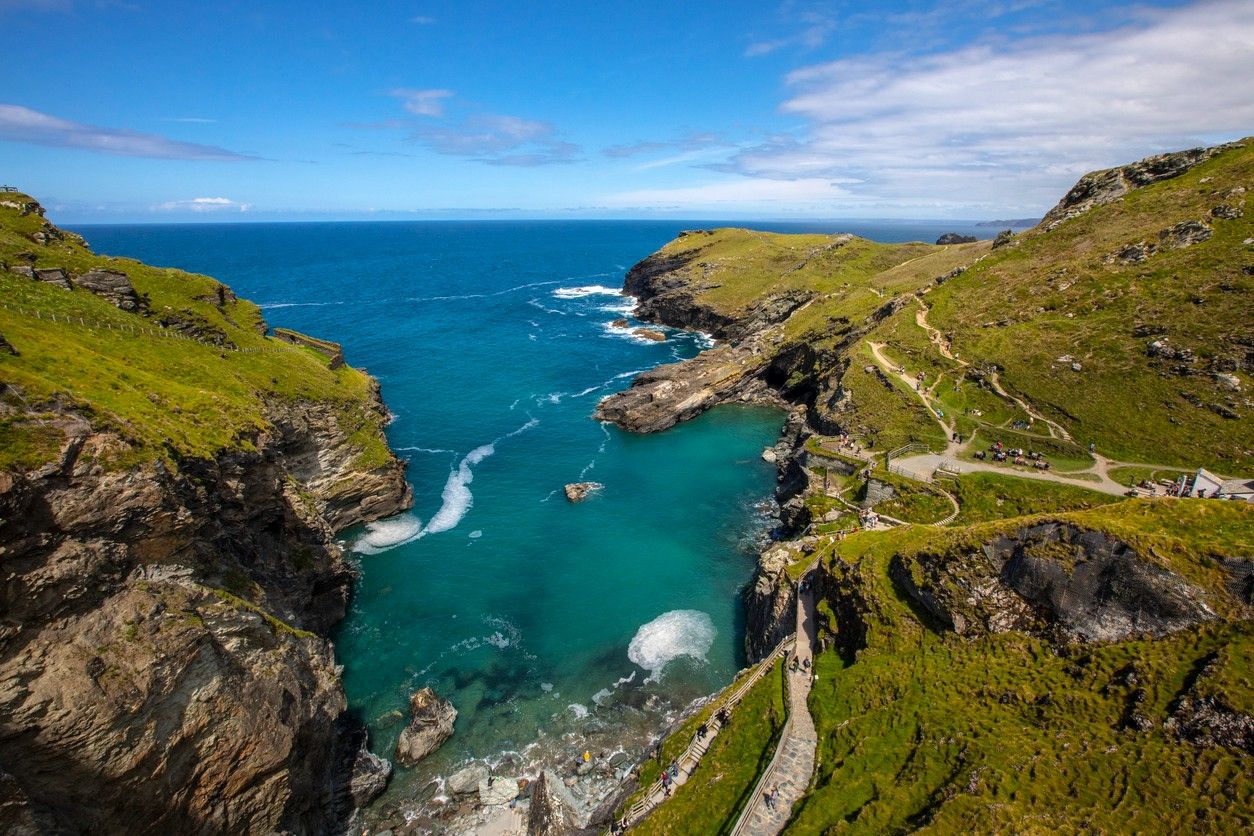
500 140
813 29
1010 124
422 20
203 204
21 124
423 102
741 191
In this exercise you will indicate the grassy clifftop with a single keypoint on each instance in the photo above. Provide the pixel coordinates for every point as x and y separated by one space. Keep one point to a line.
920 727
1122 320
187 371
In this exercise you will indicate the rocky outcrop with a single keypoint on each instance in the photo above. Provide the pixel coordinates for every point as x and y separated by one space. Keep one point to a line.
430 724
334 352
954 238
552 807
771 600
6 347
114 286
53 276
666 395
1101 187
578 491
466 780
163 660
319 454
1055 579
650 334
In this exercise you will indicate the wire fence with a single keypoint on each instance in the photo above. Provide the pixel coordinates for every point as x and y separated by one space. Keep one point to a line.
124 327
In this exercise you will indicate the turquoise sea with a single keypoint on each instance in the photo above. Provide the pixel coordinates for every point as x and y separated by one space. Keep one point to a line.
553 627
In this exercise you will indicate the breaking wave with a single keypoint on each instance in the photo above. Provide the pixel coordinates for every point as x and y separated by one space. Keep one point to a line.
586 290
671 635
386 534
455 502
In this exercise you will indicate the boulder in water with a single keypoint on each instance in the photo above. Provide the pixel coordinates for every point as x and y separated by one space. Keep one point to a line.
430 724
620 323
578 491
650 334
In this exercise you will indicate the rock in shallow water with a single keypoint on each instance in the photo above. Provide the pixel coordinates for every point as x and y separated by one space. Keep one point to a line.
578 491
431 723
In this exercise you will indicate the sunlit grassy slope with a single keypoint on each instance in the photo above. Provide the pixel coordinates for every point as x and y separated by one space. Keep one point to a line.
164 396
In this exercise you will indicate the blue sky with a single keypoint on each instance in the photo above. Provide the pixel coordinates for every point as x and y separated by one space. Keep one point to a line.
113 110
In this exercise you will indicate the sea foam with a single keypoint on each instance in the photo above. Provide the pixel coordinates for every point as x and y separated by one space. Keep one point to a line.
382 535
455 502
671 635
586 290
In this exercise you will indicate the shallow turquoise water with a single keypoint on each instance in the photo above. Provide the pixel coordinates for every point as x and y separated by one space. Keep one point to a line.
574 625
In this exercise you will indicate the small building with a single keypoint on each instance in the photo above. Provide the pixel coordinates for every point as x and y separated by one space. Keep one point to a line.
1205 484
1240 489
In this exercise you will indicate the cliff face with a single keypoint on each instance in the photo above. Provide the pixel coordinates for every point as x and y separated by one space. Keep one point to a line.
168 573
163 661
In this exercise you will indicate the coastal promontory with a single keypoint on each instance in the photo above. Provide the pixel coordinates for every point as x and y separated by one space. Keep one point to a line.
171 481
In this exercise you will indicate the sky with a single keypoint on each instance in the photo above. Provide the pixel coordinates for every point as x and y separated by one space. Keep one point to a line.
145 111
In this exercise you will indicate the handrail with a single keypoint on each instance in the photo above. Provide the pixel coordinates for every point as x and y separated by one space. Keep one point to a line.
742 821
645 805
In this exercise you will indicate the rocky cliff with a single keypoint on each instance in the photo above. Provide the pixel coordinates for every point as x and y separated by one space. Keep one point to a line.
165 600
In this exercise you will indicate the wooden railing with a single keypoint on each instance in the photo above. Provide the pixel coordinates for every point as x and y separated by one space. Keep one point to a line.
697 748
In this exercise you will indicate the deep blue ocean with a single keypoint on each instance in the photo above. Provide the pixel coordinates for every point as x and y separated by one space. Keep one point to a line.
553 627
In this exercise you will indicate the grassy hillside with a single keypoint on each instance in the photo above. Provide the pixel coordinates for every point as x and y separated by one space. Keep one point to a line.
1073 292
190 376
1010 732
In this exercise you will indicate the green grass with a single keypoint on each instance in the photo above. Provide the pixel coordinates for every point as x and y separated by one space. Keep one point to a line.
992 496
163 397
1057 295
882 412
1008 733
1063 455
711 799
913 502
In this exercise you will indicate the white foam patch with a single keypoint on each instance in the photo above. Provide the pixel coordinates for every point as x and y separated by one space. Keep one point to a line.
475 535
669 636
629 333
382 535
270 306
586 290
456 501
580 711
626 307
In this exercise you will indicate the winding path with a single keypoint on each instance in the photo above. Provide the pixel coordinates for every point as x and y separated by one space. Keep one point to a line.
787 777
952 448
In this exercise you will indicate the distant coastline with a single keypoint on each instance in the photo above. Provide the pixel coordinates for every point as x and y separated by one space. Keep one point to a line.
1013 223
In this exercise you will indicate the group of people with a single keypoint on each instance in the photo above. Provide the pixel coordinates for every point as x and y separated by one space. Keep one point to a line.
1016 455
